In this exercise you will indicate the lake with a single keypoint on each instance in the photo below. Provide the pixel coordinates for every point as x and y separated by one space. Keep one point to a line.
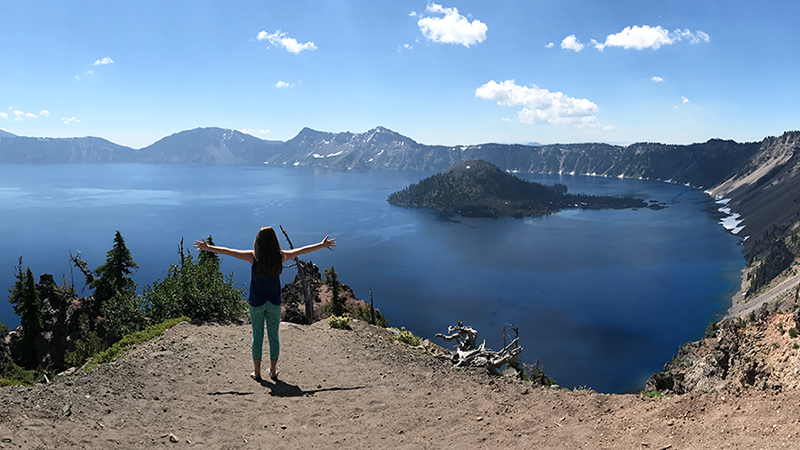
601 298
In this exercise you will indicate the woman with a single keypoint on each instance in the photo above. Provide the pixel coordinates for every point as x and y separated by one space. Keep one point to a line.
266 261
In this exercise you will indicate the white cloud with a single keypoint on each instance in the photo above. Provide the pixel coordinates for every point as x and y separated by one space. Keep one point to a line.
3 115
69 120
639 38
656 79
280 39
684 100
453 28
643 37
550 45
283 85
103 62
540 105
571 43
44 113
265 131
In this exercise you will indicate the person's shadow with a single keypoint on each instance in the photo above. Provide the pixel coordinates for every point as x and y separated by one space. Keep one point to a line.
280 388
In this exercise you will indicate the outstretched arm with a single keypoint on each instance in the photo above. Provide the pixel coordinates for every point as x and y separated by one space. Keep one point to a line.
244 255
294 253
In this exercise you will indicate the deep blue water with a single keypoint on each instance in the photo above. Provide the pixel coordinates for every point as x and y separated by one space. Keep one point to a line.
601 298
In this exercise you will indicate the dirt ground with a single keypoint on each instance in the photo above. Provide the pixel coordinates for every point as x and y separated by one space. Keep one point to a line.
360 389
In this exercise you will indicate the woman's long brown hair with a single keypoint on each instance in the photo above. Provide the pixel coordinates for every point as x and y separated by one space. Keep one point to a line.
267 250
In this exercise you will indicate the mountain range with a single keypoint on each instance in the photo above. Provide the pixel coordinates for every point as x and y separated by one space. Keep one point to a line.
701 165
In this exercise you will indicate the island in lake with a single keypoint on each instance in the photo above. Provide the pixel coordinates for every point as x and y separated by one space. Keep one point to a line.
481 189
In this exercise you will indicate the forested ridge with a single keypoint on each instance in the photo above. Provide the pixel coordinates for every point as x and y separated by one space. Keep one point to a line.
480 189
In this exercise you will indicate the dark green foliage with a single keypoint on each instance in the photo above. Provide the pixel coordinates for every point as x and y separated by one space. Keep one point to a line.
479 189
778 258
28 306
4 329
792 333
366 315
209 257
19 376
125 313
114 275
87 346
337 301
196 290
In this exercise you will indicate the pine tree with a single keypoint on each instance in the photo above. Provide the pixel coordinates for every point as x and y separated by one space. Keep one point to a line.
28 306
206 257
114 276
337 302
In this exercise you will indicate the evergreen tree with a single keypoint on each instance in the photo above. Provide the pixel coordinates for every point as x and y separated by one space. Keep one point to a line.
337 302
28 306
114 276
209 258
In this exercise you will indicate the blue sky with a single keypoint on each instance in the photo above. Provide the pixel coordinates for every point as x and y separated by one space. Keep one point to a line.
449 72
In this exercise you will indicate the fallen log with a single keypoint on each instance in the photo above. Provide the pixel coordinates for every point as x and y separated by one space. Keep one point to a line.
468 355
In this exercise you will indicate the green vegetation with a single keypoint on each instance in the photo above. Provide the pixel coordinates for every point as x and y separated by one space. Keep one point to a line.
534 374
408 337
116 350
28 305
365 314
197 290
655 394
90 345
340 322
114 276
792 333
480 189
17 376
337 306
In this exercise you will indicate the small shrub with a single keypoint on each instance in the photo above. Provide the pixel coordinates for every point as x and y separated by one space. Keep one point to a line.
87 346
365 315
655 394
792 333
116 350
408 337
752 316
340 322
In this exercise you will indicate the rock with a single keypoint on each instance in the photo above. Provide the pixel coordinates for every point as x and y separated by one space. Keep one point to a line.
67 410
173 438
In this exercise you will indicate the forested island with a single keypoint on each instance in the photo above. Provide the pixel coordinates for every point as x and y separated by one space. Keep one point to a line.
481 189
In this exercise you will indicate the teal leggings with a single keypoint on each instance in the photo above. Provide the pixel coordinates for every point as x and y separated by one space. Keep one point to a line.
271 314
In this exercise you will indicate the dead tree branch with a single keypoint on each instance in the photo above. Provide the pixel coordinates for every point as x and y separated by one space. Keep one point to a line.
302 269
468 355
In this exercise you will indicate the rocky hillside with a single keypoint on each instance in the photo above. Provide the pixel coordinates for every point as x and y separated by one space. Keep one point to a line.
702 165
756 345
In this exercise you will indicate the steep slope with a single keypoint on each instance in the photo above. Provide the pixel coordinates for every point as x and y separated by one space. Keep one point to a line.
62 150
701 165
207 146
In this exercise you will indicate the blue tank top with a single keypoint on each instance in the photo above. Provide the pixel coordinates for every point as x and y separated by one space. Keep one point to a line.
264 289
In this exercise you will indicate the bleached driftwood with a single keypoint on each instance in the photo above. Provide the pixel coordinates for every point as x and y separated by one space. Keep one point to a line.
468 355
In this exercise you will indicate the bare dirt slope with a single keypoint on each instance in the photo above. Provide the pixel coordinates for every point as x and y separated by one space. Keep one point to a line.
360 389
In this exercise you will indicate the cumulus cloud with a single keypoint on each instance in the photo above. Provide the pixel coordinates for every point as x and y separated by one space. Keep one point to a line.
103 62
44 113
550 45
571 43
3 115
279 39
540 105
283 85
453 28
656 79
639 38
69 120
